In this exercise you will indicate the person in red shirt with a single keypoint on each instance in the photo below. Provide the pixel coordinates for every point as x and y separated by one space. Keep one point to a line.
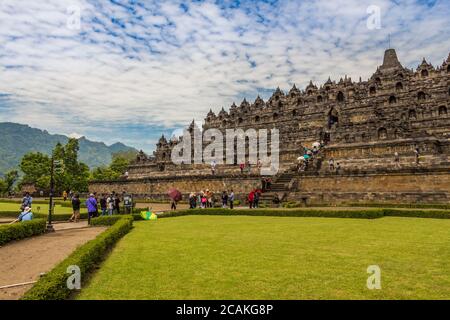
251 198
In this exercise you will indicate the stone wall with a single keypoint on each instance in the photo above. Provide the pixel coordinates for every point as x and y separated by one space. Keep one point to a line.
402 186
156 188
424 186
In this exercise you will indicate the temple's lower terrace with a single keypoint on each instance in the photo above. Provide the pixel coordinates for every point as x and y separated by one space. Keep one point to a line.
386 139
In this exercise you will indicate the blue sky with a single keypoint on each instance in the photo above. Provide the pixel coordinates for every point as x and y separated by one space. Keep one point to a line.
135 69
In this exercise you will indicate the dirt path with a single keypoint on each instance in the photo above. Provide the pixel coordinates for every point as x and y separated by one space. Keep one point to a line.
24 260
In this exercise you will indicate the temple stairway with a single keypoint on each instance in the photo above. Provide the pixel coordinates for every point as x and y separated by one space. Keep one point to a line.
278 189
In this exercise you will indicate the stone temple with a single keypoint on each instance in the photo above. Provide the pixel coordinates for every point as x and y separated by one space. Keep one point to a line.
371 128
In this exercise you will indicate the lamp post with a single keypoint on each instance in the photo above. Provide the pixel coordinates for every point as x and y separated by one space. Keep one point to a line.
50 208
59 169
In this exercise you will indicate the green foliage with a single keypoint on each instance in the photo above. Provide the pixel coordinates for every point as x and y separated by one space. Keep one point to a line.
21 230
11 214
9 179
59 216
17 140
115 170
36 166
70 174
335 213
364 214
52 286
436 214
223 257
104 174
401 205
108 220
3 187
128 155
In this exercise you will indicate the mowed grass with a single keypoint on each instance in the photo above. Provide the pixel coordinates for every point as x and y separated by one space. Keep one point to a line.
223 257
41 208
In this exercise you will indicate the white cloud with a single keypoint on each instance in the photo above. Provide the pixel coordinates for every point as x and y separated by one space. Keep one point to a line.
167 66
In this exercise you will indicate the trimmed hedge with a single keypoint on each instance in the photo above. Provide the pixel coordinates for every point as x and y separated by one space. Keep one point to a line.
108 220
363 214
11 214
33 203
21 230
53 286
436 214
59 216
400 205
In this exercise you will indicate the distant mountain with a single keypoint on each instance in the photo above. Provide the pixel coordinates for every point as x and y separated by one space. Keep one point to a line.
18 139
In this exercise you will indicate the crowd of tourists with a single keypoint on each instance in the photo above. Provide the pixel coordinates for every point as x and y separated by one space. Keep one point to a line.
304 161
253 198
109 204
206 199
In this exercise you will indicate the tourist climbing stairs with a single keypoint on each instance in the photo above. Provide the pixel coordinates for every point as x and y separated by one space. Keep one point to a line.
278 188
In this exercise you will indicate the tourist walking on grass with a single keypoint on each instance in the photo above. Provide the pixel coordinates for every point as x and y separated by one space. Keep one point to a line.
117 203
104 204
204 201
251 198
128 203
231 199
224 199
110 202
91 205
76 204
26 201
192 200
256 199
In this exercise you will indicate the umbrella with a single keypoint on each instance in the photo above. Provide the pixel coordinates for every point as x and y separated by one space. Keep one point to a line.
301 158
148 215
306 156
174 194
316 144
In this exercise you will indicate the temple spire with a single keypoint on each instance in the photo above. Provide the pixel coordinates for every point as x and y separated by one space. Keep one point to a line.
390 60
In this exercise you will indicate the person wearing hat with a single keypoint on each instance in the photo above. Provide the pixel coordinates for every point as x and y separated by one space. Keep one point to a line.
26 215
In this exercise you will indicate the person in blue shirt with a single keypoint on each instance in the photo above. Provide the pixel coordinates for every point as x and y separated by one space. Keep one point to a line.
26 215
26 201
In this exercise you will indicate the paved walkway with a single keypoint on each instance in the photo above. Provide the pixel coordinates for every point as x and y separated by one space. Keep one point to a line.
24 260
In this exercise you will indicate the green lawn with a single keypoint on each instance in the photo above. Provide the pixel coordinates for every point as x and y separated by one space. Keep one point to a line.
223 257
43 208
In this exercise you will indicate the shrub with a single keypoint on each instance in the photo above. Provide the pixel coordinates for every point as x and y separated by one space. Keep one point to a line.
437 214
34 201
106 220
366 214
59 216
21 230
11 214
400 205
52 286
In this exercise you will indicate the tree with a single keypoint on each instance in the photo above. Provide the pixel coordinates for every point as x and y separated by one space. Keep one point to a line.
119 165
104 174
3 187
10 179
115 170
35 165
73 175
128 155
